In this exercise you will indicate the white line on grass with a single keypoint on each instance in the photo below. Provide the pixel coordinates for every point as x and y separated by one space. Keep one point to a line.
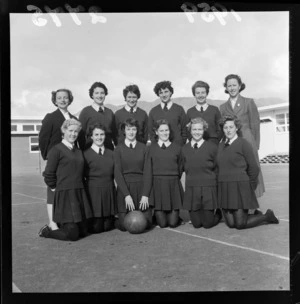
232 245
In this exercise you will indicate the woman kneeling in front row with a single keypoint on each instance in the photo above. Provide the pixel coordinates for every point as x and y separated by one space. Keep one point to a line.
99 175
237 179
199 164
64 175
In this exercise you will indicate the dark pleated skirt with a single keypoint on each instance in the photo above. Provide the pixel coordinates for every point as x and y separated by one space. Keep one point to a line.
135 189
167 193
236 195
71 206
196 198
103 200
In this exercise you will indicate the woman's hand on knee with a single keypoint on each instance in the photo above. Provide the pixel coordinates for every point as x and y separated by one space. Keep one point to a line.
144 203
129 203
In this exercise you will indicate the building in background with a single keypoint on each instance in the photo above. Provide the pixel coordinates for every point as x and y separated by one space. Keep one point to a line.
26 158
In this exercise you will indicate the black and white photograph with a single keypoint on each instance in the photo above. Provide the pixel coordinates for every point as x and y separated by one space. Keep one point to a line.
149 150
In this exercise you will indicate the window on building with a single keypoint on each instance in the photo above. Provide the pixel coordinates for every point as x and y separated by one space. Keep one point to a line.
38 127
13 128
33 144
282 122
28 127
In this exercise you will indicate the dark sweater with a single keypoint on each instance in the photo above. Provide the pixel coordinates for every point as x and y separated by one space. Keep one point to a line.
212 116
64 169
177 119
200 164
142 118
237 162
129 165
162 162
99 169
90 116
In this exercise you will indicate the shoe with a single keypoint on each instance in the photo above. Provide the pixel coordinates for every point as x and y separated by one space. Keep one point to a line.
271 218
44 232
257 211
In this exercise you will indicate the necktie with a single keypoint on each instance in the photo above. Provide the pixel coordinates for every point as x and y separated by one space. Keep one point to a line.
163 146
73 148
195 146
227 142
130 146
131 110
165 107
201 109
100 110
100 151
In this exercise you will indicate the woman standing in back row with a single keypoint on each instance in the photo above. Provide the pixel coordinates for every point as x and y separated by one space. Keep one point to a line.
98 113
247 113
209 113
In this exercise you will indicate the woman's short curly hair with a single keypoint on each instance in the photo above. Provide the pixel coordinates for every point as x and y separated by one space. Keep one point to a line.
160 122
97 85
70 122
163 85
197 120
238 78
200 84
133 88
53 95
130 122
95 126
233 118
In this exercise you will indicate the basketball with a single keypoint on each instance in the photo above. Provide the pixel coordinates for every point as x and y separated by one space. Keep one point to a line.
135 222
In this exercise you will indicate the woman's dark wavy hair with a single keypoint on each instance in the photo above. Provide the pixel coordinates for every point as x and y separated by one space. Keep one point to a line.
163 85
130 122
238 78
53 95
133 88
160 122
97 85
200 84
95 126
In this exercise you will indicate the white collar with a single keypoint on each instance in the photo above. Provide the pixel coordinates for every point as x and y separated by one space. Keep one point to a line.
160 143
127 108
127 143
97 107
198 107
233 139
169 104
66 143
65 114
96 148
199 143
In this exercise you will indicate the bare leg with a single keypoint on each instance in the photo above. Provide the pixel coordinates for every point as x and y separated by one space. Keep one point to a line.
52 224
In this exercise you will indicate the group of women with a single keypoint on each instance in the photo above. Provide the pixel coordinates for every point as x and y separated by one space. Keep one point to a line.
102 168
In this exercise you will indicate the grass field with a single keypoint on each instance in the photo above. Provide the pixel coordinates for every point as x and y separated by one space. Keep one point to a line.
160 260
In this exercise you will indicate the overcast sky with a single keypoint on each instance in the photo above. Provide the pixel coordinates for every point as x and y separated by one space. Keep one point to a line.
145 49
